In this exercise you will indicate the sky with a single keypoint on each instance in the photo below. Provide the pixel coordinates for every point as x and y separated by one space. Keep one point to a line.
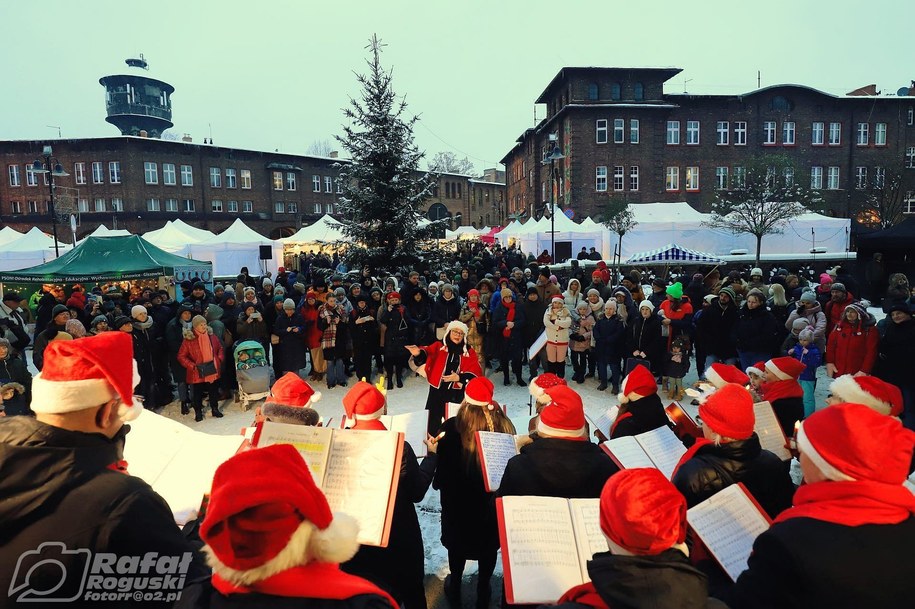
275 74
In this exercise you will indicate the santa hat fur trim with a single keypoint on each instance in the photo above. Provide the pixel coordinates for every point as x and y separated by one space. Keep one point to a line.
539 384
720 375
638 384
828 470
866 390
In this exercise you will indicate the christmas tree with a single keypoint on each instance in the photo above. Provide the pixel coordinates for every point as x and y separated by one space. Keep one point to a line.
384 192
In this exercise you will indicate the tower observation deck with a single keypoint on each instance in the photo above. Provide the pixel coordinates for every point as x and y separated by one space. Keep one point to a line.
138 104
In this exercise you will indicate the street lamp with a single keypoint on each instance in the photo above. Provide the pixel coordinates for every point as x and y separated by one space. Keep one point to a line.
554 155
56 171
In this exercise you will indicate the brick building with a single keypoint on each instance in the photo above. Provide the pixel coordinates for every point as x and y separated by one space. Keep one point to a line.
623 137
468 200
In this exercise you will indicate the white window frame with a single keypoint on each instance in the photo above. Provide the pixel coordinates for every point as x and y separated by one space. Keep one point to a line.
35 209
723 132
633 131
818 133
600 178
82 205
215 177
15 177
692 133
835 134
114 172
788 174
171 205
908 202
862 134
277 180
169 175
634 178
692 179
188 206
292 207
232 207
673 133
98 174
153 205
290 180
247 207
279 207
216 206
245 175
317 208
769 130
672 179
31 178
789 133
740 133
99 205
187 175
619 130
79 173
880 134
117 204
832 178
860 177
879 177
910 157
600 131
315 183
231 177
816 178
619 178
911 117
329 185
150 172
721 178
16 208
740 177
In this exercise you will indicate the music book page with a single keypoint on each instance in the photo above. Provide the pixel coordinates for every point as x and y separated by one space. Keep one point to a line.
313 443
495 451
413 425
604 421
770 433
728 523
451 409
537 345
588 536
663 448
627 452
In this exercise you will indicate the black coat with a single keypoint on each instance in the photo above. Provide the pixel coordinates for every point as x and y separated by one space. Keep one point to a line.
645 335
609 338
756 331
290 352
556 467
445 311
647 414
533 313
57 486
396 334
714 468
714 328
514 344
895 362
788 411
419 316
365 335
804 563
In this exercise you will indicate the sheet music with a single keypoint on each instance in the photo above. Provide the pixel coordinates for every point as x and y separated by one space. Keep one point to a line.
358 478
629 452
413 425
588 536
496 448
728 523
663 448
541 550
770 433
537 345
604 421
451 409
313 443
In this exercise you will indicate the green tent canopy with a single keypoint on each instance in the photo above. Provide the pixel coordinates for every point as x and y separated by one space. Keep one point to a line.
108 259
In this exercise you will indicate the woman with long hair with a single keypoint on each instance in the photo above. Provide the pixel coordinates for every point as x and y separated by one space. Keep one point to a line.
469 527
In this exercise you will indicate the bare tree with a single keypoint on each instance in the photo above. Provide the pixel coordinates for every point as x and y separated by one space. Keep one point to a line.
762 198
881 203
448 162
320 148
617 216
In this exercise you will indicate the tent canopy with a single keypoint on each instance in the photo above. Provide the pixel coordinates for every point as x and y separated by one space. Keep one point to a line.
173 238
103 259
674 253
8 235
324 230
901 236
237 246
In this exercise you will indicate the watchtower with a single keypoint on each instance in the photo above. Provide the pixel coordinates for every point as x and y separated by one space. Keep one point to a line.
137 104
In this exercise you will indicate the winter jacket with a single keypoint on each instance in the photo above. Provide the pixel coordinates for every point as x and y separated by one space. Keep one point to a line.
41 343
895 363
582 328
675 369
609 338
812 359
852 348
57 485
445 311
255 329
514 343
533 313
645 335
815 318
12 327
365 334
639 416
680 318
214 320
14 370
557 325
289 353
312 331
626 311
713 468
419 317
835 311
174 338
572 298
546 291
756 331
190 355
714 328
396 332
436 358
557 467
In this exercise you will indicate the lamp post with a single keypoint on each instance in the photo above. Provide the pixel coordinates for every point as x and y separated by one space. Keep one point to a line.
52 167
554 155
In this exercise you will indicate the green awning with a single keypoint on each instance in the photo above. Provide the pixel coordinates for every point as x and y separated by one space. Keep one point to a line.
105 259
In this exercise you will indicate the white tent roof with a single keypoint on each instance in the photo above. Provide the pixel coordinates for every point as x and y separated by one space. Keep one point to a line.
238 232
198 234
33 241
235 247
324 230
465 232
173 239
8 235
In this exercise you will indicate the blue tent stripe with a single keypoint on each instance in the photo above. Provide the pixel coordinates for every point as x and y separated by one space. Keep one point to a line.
673 252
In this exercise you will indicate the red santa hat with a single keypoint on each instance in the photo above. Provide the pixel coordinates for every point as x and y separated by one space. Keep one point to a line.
642 512
291 400
539 385
883 397
557 297
364 405
393 294
729 412
564 416
638 384
759 369
785 368
266 515
720 375
86 373
850 442
479 391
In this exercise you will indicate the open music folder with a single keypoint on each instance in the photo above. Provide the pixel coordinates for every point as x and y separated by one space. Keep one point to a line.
659 448
495 450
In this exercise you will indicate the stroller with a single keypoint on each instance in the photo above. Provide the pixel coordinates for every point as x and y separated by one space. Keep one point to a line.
252 373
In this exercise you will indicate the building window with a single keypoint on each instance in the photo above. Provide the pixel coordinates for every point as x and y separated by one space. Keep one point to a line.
231 182
290 181
816 178
740 133
117 204
216 205
14 175
880 134
279 207
860 178
338 186
634 178
189 206
619 127
722 131
600 131
835 134
292 207
789 176
593 92
638 90
911 120
15 207
316 184
79 173
247 207
171 205
910 157
151 172
246 179
97 176
169 178
740 176
832 178
31 178
619 176
862 134
215 177
879 177
114 172
232 207
615 92
152 205
692 133
908 203
33 207
692 179
721 178
672 179
673 132
816 134
277 180
769 133
187 176
633 131
317 208
329 186
330 208
788 133
99 205
600 179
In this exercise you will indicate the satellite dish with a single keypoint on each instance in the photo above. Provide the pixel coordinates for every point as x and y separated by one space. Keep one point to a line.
903 92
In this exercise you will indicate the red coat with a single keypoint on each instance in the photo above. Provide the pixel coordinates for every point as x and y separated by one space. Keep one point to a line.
189 356
852 348
437 357
834 312
312 331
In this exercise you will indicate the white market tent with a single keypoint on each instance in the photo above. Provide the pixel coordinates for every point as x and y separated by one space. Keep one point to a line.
8 235
673 253
324 230
235 247
466 232
31 249
104 231
534 236
175 238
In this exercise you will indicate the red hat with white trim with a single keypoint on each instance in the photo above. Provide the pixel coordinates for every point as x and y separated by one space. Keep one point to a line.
539 385
638 384
720 375
86 373
759 369
291 401
785 368
729 412
849 442
883 397
564 416
364 405
479 391
557 297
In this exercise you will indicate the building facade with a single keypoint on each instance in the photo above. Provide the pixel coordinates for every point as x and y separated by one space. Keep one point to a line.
622 137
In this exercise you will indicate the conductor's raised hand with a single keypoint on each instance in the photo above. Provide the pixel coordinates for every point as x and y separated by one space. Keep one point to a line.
413 349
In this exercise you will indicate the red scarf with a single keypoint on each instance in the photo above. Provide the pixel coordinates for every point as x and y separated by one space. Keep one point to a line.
510 316
778 390
314 580
690 453
852 503
584 594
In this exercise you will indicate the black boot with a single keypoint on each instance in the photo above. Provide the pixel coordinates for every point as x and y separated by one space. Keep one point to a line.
505 380
185 407
484 594
520 380
214 410
198 413
453 591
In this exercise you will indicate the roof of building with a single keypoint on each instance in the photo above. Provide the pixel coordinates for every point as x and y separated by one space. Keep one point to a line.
666 72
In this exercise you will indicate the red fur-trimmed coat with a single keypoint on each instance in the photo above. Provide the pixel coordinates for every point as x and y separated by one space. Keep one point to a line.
437 357
189 356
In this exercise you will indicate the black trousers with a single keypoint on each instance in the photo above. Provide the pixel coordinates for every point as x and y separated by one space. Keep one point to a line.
210 389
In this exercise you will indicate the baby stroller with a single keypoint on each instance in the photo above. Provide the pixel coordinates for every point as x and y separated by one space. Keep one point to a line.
252 373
